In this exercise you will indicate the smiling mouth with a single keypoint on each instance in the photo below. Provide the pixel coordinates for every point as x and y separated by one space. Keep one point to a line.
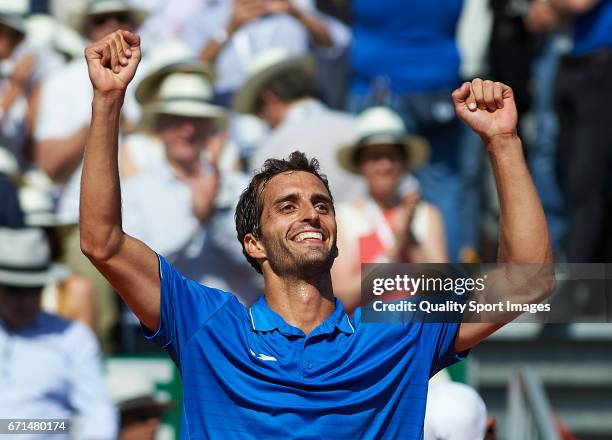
308 237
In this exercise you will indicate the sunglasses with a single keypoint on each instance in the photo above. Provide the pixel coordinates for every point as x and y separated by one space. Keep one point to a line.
98 20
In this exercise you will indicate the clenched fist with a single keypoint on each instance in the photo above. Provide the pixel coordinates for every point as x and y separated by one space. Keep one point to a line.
487 107
112 61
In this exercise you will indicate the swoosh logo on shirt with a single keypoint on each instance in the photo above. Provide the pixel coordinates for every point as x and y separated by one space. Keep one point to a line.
263 357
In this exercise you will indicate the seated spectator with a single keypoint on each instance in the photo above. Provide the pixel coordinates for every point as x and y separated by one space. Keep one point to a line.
281 90
74 296
231 33
60 134
183 207
142 148
21 69
454 412
391 224
50 366
65 101
405 56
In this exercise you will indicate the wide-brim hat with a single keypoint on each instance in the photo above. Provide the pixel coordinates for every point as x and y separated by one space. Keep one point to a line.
103 7
12 14
14 22
264 68
45 31
382 126
182 90
25 259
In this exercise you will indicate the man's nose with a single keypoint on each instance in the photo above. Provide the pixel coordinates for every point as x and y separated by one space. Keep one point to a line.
310 213
187 128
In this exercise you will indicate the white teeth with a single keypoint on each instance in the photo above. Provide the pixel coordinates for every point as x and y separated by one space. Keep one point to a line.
305 235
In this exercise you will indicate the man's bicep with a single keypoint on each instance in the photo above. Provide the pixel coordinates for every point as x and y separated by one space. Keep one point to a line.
134 273
472 333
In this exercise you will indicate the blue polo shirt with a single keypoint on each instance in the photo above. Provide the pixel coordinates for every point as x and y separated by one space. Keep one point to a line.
247 374
593 29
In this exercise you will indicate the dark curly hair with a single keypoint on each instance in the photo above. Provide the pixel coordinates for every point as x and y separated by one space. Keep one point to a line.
250 204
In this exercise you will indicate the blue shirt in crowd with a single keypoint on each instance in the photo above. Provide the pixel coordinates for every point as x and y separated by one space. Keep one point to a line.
248 374
410 42
593 30
51 369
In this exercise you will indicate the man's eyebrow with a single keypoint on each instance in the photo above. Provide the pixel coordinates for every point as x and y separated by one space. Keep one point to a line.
286 198
320 197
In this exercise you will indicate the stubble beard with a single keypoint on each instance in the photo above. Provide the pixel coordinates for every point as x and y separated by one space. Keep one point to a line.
286 262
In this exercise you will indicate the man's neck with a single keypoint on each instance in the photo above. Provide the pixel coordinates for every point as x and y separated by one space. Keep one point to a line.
302 303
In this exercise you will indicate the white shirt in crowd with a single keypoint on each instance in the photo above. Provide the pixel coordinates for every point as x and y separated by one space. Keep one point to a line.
157 209
278 30
316 130
64 109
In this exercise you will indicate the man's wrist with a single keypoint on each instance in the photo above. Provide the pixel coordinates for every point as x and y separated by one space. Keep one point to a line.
108 101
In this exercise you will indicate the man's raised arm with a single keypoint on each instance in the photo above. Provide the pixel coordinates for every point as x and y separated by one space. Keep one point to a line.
128 264
489 109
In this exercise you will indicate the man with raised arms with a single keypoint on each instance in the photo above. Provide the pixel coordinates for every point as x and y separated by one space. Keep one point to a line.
294 365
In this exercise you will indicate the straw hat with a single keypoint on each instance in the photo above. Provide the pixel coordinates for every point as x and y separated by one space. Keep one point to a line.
265 67
12 13
46 31
25 259
378 126
103 7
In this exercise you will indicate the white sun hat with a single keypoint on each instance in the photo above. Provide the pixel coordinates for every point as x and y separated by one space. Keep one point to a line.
25 259
177 84
378 126
12 13
184 94
103 7
265 67
45 31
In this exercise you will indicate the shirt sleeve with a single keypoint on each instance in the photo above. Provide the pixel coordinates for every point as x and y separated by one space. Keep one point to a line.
185 307
97 415
340 34
438 341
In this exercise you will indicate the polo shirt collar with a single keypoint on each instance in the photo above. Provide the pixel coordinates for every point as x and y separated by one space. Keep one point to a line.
264 319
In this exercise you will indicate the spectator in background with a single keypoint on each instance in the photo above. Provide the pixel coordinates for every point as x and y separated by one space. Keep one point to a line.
21 69
389 225
166 19
50 367
59 138
183 207
281 90
65 103
72 297
584 93
230 33
405 56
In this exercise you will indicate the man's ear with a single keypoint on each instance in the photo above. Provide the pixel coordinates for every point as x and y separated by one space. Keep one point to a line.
254 247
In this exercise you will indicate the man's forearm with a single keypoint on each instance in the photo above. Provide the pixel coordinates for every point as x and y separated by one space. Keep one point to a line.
523 231
100 208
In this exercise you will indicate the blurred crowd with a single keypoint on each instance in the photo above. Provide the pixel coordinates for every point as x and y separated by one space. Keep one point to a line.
362 85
